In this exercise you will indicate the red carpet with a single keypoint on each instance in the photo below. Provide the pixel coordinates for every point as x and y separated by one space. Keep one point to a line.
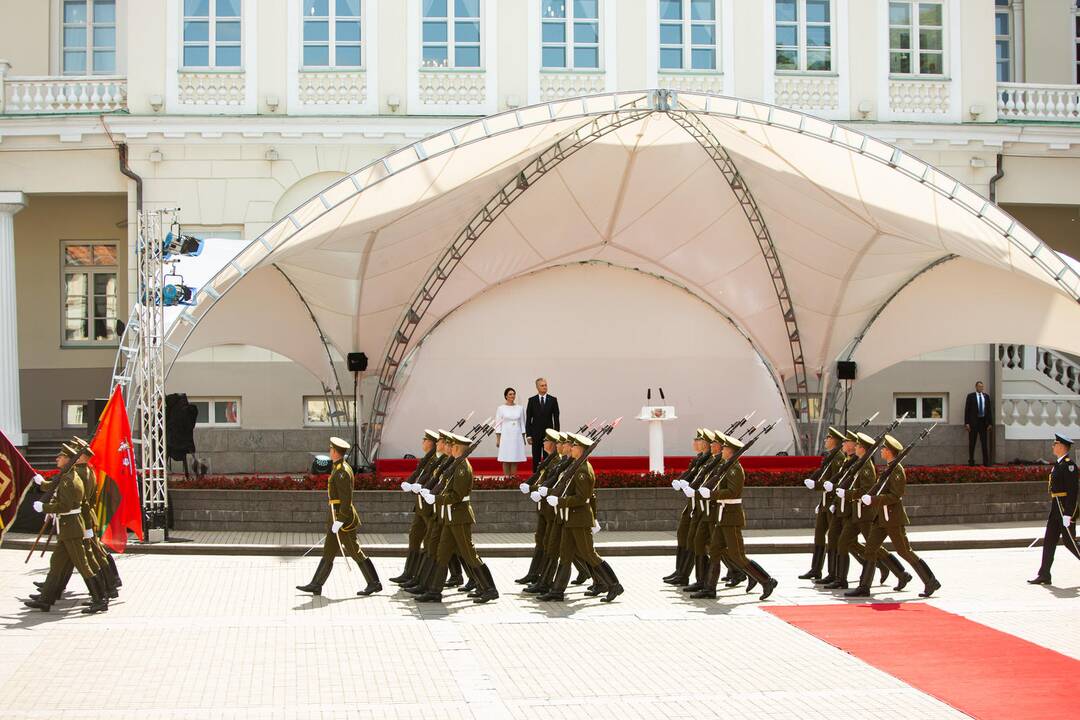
613 463
982 672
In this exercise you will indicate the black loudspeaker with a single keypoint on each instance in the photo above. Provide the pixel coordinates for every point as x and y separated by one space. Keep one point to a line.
845 370
357 362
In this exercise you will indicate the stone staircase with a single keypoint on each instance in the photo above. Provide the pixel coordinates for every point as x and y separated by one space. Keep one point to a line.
43 447
1040 392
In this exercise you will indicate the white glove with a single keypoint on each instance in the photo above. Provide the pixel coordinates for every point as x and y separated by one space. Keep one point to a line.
595 527
406 486
1067 521
543 491
336 526
535 496
553 501
39 506
688 492
828 485
676 484
87 534
808 483
705 492
840 492
428 498
866 499
38 479
524 488
684 484
832 508
417 488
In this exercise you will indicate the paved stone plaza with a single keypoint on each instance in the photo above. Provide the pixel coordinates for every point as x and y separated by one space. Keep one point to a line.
229 637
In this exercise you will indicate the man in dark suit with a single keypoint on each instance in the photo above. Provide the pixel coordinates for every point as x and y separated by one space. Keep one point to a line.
978 421
541 413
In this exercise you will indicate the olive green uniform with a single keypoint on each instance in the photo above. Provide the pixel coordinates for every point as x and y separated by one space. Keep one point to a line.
889 520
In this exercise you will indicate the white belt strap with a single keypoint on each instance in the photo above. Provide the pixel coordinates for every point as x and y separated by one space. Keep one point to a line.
76 511
858 510
725 503
843 503
465 499
885 508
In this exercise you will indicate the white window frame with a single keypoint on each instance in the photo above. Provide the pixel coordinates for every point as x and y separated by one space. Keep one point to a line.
451 19
916 51
569 44
64 405
212 42
91 271
801 23
1006 11
332 42
89 26
687 45
919 398
210 420
350 408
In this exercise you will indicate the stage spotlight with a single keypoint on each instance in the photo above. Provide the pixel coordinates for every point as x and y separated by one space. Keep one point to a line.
177 243
177 294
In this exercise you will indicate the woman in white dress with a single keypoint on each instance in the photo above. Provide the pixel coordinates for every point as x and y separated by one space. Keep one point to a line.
510 433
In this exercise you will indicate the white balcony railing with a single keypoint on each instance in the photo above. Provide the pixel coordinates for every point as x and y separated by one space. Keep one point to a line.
1026 101
1038 417
1055 366
62 94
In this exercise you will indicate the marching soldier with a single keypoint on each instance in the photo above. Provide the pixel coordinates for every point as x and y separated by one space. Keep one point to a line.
419 523
837 517
890 520
574 507
343 523
824 520
682 535
65 506
551 459
549 483
452 504
433 524
1061 521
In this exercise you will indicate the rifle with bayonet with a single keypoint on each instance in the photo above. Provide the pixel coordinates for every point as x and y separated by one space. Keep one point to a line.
422 466
435 470
849 474
684 480
710 465
719 471
486 428
526 487
883 480
569 473
834 452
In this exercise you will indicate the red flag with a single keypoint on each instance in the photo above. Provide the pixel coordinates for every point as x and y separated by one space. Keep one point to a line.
114 464
16 477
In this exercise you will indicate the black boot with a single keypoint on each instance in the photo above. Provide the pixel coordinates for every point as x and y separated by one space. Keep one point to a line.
471 588
682 577
407 571
322 572
99 600
438 581
612 585
709 591
679 553
547 575
883 566
930 583
107 580
583 572
486 584
1040 579
113 570
737 577
455 579
815 564
373 585
757 573
701 567
902 576
40 585
863 590
422 578
843 560
41 604
534 568
558 585
831 557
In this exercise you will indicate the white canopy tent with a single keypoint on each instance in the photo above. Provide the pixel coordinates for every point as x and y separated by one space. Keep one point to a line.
802 233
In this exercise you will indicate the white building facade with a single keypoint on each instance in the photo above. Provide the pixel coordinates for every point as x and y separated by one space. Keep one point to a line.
237 111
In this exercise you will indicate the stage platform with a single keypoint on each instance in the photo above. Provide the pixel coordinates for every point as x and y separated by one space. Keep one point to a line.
612 464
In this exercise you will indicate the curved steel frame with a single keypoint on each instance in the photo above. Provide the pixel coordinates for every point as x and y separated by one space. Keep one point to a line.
259 250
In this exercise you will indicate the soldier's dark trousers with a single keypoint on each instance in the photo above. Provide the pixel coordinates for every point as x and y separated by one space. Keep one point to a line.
417 531
821 526
349 543
682 535
898 536
74 552
1055 533
577 543
457 540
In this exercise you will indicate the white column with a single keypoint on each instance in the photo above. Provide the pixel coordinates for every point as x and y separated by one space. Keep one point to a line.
10 409
1019 73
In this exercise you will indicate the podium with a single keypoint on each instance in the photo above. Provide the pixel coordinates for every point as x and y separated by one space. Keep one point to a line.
656 416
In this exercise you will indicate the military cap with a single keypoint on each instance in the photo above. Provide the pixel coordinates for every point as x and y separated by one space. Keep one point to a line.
865 440
444 435
1062 439
707 434
852 436
69 451
82 446
462 440
733 443
339 444
893 444
580 440
837 434
552 435
431 435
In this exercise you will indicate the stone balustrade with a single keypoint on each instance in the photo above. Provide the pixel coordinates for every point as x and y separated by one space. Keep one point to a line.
223 89
1035 417
919 96
1062 370
560 85
807 92
63 94
1027 101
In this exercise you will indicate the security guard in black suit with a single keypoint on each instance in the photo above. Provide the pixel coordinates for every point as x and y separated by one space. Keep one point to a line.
1061 521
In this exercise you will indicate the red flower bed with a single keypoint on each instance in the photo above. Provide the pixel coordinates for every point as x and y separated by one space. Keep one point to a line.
930 474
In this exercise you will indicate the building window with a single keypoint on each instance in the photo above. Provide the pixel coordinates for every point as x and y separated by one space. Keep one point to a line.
89 37
1003 40
689 36
217 411
211 34
570 34
322 412
804 39
332 34
921 407
90 294
451 34
916 38
73 413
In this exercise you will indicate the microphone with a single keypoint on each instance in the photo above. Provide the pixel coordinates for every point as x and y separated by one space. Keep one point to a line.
662 394
648 395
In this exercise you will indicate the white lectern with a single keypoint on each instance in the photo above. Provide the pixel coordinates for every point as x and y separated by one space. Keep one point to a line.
656 415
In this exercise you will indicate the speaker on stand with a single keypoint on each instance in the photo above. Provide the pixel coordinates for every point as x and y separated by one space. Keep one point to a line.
846 371
357 363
